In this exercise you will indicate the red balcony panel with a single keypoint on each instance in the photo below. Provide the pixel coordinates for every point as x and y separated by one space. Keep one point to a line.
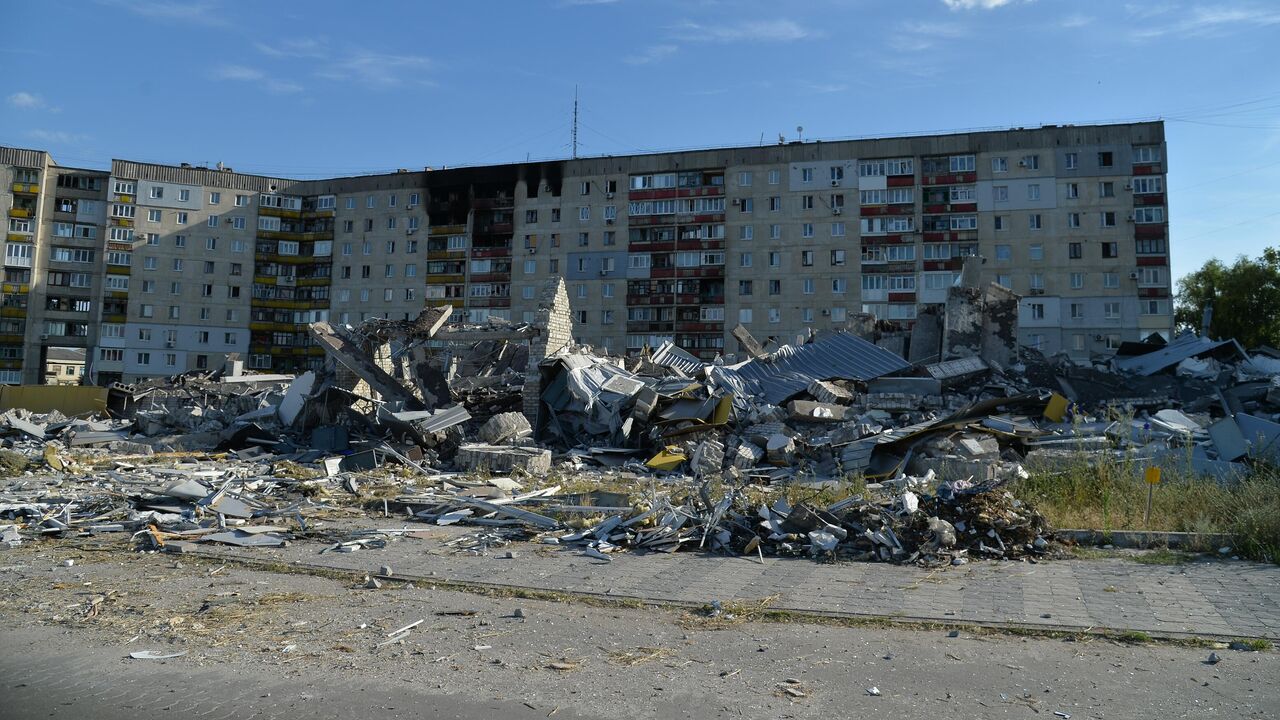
935 265
491 277
1154 292
651 194
1153 260
873 269
956 263
902 297
651 247
711 300
895 239
489 302
1147 232
662 272
705 191
1147 169
902 209
1153 199
901 267
949 179
900 181
964 207
490 252
935 208
708 218
935 237
873 210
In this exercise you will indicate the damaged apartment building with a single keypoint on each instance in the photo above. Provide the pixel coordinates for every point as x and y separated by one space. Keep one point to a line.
154 270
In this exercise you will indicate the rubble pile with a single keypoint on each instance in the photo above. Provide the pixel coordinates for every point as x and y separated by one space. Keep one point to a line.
483 424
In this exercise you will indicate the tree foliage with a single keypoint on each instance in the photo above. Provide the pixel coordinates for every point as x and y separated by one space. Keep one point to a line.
1245 297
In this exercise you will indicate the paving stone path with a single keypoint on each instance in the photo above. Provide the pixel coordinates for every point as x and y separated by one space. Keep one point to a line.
1204 598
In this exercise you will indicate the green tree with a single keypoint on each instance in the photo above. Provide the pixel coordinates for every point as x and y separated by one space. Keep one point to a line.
1245 297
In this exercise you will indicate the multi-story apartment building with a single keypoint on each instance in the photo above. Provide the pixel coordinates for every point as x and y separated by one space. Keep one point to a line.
157 269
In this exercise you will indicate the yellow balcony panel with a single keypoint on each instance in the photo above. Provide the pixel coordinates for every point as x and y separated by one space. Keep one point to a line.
298 350
437 302
26 188
114 318
13 312
11 364
19 237
279 235
122 222
12 339
448 229
279 212
19 213
315 350
319 213
447 255
124 198
117 270
17 288
264 279
118 295
445 279
261 326
313 282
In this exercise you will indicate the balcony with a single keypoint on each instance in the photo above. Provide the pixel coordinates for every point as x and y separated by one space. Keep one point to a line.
490 277
26 189
495 229
1148 199
20 212
446 254
949 178
1149 231
491 252
279 212
489 302
448 230
660 299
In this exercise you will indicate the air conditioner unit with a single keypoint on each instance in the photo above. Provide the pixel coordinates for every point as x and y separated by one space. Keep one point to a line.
170 344
1022 163
44 337
1128 186
410 231
533 250
837 211
608 196
1037 291
1130 217
826 312
1134 275
609 221
835 183
604 272
737 201
1098 337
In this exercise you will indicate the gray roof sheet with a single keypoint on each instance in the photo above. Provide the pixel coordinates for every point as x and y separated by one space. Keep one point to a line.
791 368
1184 346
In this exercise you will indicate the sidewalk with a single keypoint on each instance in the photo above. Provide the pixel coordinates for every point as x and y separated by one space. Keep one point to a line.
1207 599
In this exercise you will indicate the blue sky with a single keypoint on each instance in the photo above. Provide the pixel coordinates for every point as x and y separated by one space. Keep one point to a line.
327 88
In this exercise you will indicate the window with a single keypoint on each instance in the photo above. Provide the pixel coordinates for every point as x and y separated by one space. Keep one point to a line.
1077 280
1030 162
1073 220
153 216
144 358
1105 159
1152 307
1033 221
1035 252
1075 251
208 267
747 205
999 164
837 229
964 222
775 203
1077 311
212 243
838 258
1111 310
775 177
806 230
775 259
1148 215
584 213
775 232
806 175
1000 193
1146 154
1110 249
606 290
610 237
744 287
157 192
1072 161
840 286
775 287
744 259
584 239
1073 190
1147 185
1033 191
1036 310
809 286
555 214
238 223
1037 281
1004 253
1001 222
175 312
806 258
242 200
182 218
177 264
175 288
410 270
1110 280
1108 218
1004 280
962 163
1106 189
746 232
775 315
744 179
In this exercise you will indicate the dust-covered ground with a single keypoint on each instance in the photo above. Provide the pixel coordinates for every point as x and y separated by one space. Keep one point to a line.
319 646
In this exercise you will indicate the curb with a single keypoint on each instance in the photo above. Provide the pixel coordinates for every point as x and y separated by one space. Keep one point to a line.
1146 540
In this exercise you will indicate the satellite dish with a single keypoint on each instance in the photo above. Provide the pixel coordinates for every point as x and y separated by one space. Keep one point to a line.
799 129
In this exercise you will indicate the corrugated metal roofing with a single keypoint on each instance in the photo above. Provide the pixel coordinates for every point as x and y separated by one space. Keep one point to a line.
669 355
207 177
22 157
792 367
1184 346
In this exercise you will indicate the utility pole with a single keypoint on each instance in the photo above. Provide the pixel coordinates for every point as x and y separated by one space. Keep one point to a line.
575 122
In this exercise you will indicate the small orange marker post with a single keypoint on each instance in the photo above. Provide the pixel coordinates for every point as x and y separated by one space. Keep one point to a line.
1153 478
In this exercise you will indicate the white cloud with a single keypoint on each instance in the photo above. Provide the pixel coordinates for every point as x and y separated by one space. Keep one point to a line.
1212 21
26 101
379 69
781 30
196 13
304 48
242 73
1074 21
652 54
975 4
57 137
917 36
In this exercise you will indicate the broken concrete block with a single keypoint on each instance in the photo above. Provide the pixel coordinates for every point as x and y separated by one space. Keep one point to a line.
780 449
708 458
829 392
807 410
746 455
505 427
498 458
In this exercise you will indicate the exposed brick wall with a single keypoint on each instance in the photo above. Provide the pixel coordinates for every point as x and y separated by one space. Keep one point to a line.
555 332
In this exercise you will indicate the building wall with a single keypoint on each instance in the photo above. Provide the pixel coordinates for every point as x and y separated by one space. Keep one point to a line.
785 239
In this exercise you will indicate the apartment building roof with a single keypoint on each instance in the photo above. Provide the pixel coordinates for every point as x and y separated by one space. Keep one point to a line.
22 157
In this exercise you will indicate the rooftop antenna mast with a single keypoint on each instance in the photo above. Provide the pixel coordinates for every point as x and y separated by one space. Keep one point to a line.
575 122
